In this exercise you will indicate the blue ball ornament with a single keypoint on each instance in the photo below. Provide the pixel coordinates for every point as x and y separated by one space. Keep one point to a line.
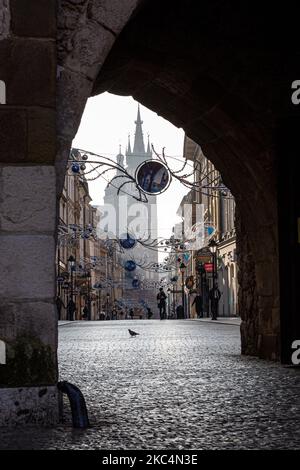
130 265
75 168
127 241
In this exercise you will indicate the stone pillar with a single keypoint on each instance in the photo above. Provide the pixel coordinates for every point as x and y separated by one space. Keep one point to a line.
28 322
247 295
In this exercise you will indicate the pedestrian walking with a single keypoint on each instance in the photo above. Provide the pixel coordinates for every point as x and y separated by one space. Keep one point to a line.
71 309
198 302
214 296
161 303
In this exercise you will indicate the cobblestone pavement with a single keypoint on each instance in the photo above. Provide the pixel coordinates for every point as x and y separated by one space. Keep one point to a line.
179 385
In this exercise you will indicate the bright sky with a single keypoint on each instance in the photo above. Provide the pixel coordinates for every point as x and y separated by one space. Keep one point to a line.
106 123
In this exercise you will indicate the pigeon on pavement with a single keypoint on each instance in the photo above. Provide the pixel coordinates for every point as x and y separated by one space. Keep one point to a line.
132 333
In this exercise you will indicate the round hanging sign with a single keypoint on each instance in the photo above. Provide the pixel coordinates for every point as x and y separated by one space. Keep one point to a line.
152 177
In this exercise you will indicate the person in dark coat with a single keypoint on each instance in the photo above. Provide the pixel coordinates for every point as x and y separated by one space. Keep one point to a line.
149 313
85 312
71 309
59 306
214 297
161 303
179 312
198 302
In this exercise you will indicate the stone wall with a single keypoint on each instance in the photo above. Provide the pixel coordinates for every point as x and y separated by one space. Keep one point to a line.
201 72
247 295
87 31
28 322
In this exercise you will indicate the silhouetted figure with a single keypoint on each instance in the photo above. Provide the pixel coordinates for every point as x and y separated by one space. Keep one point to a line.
214 296
131 313
85 312
132 333
71 309
161 303
198 302
59 306
149 313
179 312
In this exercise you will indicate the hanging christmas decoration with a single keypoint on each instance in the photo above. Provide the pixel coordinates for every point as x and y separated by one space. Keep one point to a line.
127 241
130 265
152 177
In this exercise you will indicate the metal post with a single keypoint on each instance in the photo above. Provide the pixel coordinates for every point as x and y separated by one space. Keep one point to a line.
89 297
182 293
214 313
174 306
72 287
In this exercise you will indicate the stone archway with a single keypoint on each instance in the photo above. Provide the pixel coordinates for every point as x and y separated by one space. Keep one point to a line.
202 79
218 69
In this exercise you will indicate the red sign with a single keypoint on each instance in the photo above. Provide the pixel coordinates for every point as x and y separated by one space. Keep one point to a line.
209 267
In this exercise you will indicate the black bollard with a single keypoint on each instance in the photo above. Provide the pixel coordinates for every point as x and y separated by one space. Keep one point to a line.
80 417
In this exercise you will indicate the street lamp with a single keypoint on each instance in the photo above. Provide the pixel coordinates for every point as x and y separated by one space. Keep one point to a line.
98 287
107 301
182 268
169 303
88 276
72 263
213 248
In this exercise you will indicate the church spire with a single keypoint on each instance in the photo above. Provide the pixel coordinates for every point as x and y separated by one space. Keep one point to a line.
139 147
149 151
120 160
128 151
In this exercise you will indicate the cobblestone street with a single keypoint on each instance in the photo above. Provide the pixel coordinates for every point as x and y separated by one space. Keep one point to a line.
179 385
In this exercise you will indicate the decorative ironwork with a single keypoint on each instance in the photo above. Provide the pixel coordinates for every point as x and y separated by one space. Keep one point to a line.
100 166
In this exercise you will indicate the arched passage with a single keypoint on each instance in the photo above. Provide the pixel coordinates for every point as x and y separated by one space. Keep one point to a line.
200 68
222 71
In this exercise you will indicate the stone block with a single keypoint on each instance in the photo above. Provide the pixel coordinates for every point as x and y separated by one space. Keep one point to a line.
38 319
4 18
27 135
27 199
73 92
28 67
29 406
112 13
27 267
90 46
41 135
13 135
33 18
29 331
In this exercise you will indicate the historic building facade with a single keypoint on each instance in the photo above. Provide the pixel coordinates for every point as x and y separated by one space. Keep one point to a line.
87 269
219 224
